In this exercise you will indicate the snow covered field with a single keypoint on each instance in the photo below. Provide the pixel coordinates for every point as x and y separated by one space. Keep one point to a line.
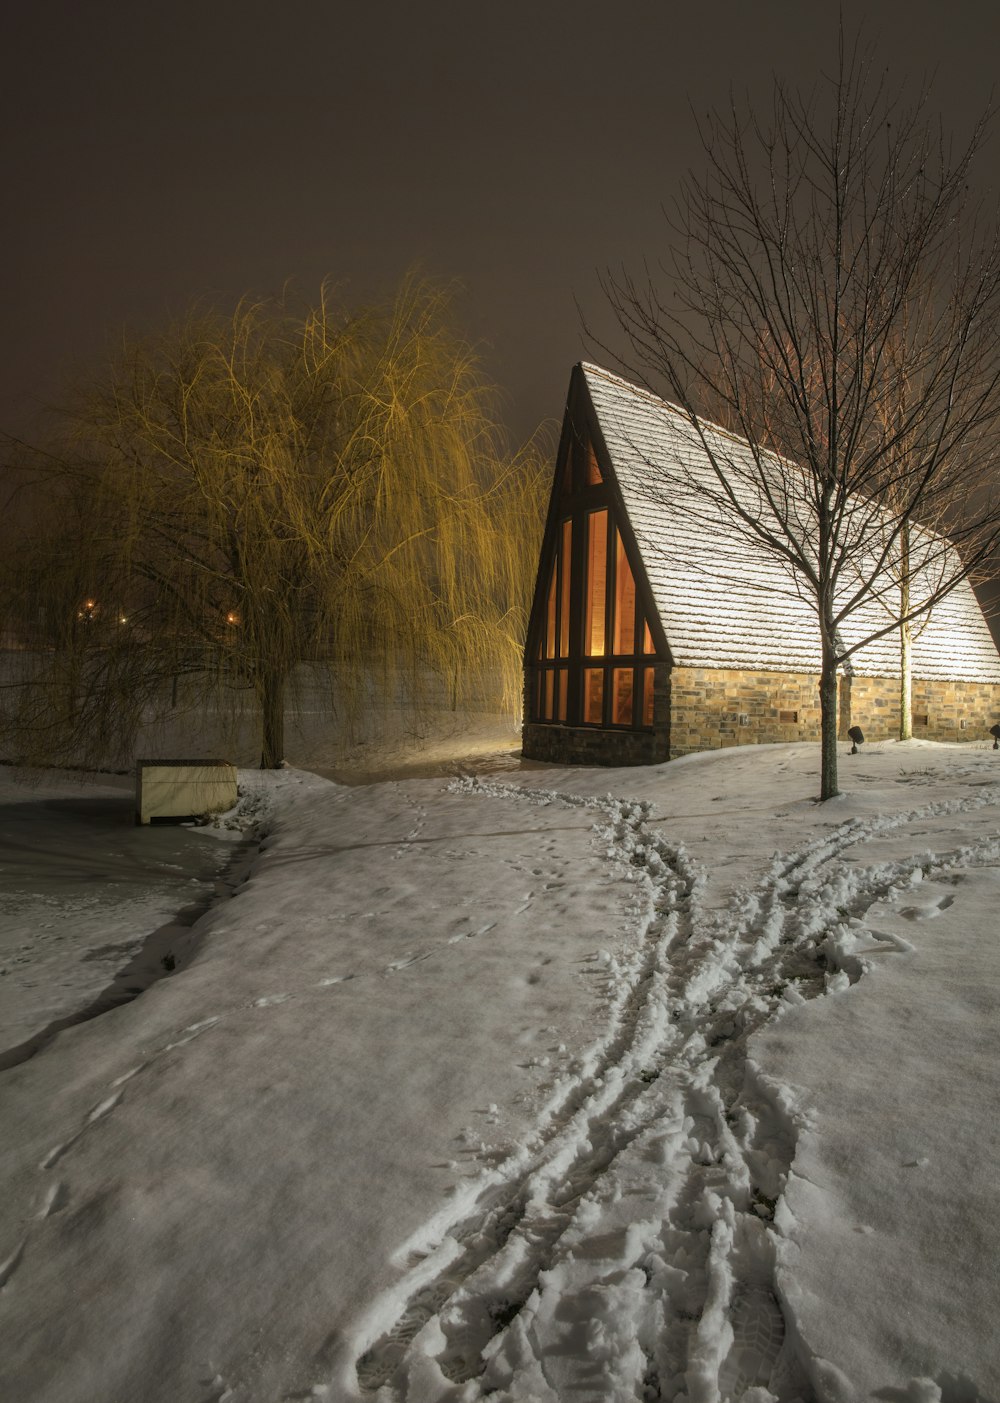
576 1084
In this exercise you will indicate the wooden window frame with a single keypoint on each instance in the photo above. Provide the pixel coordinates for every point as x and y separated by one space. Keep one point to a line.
579 498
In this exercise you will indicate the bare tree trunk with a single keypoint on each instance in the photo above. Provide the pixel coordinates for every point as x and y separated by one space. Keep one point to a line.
829 716
271 695
905 639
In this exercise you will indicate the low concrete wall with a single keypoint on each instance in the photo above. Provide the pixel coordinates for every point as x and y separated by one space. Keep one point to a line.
178 789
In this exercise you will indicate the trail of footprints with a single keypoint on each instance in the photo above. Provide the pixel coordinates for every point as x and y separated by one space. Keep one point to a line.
56 1195
700 1149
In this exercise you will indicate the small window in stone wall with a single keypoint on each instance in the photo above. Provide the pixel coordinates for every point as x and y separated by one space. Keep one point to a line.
920 718
789 718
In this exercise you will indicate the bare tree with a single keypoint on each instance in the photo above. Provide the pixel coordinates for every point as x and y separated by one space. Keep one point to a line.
821 235
246 494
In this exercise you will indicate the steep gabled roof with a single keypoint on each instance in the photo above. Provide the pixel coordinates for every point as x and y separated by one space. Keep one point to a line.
722 600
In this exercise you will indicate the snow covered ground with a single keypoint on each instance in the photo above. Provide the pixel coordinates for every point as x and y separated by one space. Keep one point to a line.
574 1084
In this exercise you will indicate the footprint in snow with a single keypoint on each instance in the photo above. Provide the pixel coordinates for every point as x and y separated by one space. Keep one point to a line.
9 1267
410 958
102 1109
930 910
55 1200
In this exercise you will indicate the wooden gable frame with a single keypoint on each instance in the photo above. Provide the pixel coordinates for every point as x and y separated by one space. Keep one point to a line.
575 496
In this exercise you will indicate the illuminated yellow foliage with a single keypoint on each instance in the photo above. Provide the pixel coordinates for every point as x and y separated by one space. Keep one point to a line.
267 490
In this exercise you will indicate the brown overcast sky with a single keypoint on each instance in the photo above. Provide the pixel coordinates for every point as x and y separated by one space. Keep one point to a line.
153 153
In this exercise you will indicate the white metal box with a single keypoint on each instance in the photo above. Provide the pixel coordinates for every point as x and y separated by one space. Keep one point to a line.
178 789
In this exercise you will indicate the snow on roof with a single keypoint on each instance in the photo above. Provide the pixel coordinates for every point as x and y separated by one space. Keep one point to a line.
722 601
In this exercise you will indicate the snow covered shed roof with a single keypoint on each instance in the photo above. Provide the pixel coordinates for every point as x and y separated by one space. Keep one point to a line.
725 602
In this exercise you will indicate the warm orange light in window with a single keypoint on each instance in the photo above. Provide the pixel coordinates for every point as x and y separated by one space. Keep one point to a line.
621 696
593 471
562 694
550 616
593 695
647 697
647 640
564 583
597 572
624 630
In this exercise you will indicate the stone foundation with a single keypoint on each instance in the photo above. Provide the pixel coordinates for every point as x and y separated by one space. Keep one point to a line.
710 708
587 745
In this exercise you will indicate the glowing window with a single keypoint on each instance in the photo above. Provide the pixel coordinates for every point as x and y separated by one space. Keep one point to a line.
564 581
593 471
622 686
597 575
550 617
593 695
562 694
624 630
647 640
647 697
549 680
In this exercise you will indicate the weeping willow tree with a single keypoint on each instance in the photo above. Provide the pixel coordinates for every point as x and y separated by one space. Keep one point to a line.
244 495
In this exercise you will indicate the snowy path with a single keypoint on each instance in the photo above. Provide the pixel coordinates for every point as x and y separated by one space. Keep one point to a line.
629 1249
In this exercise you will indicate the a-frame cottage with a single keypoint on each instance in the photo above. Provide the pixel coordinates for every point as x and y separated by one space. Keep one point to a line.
652 637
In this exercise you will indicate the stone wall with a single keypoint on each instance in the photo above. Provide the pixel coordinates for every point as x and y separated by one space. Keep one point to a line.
710 708
716 707
587 745
940 710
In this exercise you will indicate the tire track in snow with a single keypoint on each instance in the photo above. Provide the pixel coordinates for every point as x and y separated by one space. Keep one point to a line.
691 1132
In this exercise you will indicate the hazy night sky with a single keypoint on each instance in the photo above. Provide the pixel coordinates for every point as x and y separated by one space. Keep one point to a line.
156 153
